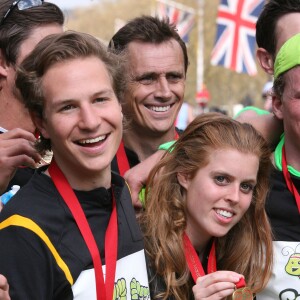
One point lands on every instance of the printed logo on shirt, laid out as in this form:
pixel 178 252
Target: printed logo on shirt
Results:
pixel 284 283
pixel 292 268
pixel 131 280
pixel 293 265
pixel 289 294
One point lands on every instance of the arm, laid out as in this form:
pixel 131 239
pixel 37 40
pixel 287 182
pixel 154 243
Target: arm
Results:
pixel 215 286
pixel 137 176
pixel 16 149
pixel 268 125
pixel 4 288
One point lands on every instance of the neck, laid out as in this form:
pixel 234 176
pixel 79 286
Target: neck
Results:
pixel 86 181
pixel 146 145
pixel 198 240
pixel 292 151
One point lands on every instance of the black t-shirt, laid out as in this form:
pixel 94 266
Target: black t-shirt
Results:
pixel 43 254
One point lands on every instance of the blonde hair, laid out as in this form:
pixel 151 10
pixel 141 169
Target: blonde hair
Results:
pixel 247 248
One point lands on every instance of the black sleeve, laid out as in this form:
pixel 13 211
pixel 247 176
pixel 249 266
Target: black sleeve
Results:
pixel 27 263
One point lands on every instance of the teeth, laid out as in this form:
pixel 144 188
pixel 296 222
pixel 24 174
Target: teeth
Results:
pixel 160 108
pixel 224 213
pixel 95 140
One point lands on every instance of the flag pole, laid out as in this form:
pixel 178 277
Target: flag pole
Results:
pixel 200 46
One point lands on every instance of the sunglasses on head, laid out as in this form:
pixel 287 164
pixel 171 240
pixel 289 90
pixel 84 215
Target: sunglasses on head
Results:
pixel 22 5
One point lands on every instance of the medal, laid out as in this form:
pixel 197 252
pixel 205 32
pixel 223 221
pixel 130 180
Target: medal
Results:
pixel 242 292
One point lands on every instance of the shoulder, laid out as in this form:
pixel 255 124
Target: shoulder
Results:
pixel 250 112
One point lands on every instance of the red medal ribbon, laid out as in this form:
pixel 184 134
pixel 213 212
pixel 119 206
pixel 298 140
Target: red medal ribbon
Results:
pixel 195 265
pixel 104 289
pixel 122 160
pixel 194 262
pixel 288 179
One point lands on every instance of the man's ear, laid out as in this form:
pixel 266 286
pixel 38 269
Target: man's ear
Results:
pixel 40 124
pixel 184 180
pixel 265 60
pixel 277 107
pixel 3 65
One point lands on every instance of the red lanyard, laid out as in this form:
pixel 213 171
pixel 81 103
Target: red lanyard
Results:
pixel 288 179
pixel 122 160
pixel 104 289
pixel 194 262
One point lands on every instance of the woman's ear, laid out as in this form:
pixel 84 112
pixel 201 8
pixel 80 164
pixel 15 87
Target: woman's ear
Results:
pixel 39 122
pixel 184 180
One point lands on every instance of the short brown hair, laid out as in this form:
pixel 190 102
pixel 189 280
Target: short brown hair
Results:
pixel 58 48
pixel 148 29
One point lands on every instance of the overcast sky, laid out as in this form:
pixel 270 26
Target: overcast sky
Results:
pixel 69 4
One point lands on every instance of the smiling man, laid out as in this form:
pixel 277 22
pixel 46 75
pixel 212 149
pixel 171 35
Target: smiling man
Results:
pixel 74 217
pixel 156 66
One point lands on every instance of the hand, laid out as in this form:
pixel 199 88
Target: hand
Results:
pixel 16 149
pixel 137 176
pixel 4 288
pixel 216 286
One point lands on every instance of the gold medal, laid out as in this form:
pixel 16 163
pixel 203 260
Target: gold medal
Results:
pixel 46 159
pixel 242 294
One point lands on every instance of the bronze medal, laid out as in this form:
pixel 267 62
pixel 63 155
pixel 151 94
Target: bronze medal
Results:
pixel 242 294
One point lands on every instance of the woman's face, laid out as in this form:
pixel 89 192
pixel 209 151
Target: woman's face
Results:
pixel 219 194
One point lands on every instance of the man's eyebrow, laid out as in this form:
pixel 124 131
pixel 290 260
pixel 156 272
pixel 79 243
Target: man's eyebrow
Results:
pixel 157 74
pixel 179 73
pixel 146 74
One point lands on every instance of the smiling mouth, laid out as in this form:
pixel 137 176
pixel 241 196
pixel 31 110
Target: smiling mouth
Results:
pixel 89 142
pixel 159 108
pixel 224 213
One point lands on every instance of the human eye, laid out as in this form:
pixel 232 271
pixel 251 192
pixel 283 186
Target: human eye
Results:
pixel 247 187
pixel 101 99
pixel 146 79
pixel 221 179
pixel 174 77
pixel 67 107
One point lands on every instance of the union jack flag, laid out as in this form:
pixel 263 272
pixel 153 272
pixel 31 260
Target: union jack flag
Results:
pixel 180 15
pixel 235 40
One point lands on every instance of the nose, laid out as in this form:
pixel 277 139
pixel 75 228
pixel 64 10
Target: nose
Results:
pixel 233 194
pixel 89 119
pixel 162 89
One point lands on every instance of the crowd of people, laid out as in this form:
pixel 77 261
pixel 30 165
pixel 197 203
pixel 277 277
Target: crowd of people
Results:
pixel 220 217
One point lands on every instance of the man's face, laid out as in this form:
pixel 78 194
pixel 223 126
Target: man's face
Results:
pixel 287 26
pixel 155 92
pixel 288 108
pixel 26 47
pixel 82 117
